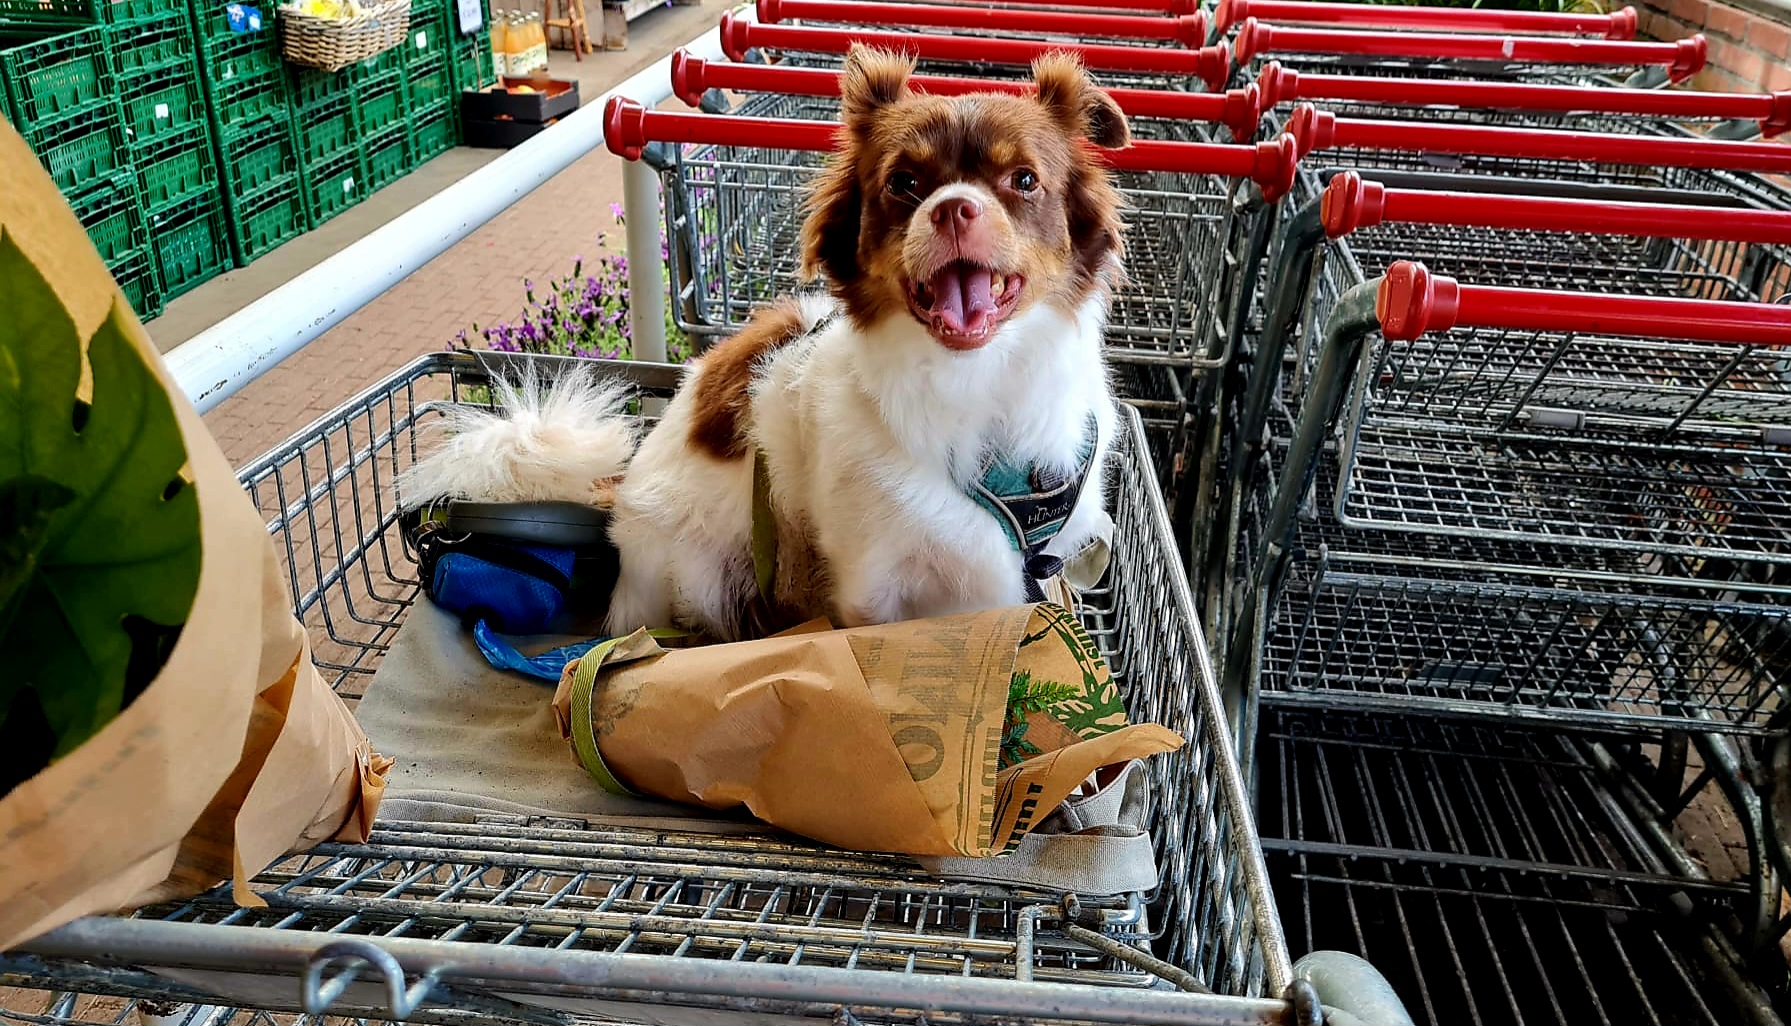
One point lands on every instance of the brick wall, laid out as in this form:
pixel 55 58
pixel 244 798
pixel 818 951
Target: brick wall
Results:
pixel 1750 51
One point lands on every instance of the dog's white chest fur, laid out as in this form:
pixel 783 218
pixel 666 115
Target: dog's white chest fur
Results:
pixel 871 439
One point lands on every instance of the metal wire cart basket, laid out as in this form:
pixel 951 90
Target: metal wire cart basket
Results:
pixel 541 919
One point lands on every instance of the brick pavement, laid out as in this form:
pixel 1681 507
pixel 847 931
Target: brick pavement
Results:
pixel 479 280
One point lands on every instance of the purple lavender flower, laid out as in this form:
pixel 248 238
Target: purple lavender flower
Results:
pixel 616 211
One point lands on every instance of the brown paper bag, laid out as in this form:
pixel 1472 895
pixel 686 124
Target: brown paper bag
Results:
pixel 236 751
pixel 874 739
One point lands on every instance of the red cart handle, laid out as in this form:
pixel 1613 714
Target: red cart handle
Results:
pixel 692 76
pixel 1351 202
pixel 1684 58
pixel 1211 64
pixel 1773 111
pixel 1313 129
pixel 1188 30
pixel 628 127
pixel 1412 301
pixel 1616 25
pixel 1176 8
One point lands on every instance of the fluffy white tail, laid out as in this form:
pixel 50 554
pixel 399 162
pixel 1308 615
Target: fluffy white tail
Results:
pixel 552 441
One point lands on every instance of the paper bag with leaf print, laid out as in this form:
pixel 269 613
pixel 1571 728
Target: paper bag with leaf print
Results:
pixel 950 736
pixel 162 728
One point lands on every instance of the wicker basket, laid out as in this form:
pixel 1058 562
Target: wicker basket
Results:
pixel 334 43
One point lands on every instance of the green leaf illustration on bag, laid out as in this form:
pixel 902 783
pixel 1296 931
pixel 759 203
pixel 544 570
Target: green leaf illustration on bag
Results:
pixel 99 531
pixel 1061 692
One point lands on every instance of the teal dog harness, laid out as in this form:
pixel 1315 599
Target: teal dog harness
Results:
pixel 1032 504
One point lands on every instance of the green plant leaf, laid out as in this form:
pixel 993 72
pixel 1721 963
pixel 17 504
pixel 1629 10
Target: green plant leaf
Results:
pixel 99 547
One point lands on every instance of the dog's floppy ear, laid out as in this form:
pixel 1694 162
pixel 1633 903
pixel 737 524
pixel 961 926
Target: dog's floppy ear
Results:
pixel 830 231
pixel 1078 105
pixel 873 79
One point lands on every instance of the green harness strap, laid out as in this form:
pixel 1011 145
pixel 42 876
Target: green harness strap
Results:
pixel 584 732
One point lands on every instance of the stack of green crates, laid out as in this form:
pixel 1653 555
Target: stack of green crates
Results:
pixel 469 57
pixel 332 159
pixel 429 92
pixel 245 84
pixel 56 87
pixel 168 125
pixel 188 147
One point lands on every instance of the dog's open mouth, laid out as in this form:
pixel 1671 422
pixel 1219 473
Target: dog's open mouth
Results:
pixel 963 303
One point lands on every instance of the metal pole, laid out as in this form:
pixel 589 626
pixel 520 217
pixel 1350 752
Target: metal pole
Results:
pixel 646 271
pixel 218 362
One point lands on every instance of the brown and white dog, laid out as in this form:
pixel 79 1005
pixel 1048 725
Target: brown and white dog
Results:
pixel 969 245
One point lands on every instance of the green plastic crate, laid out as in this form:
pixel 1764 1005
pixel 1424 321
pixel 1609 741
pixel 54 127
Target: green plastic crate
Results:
pixel 381 103
pixel 116 12
pixel 161 103
pixel 227 57
pixel 377 65
pixel 81 150
pixel 191 244
pixel 388 157
pixel 48 77
pixel 243 100
pixel 47 11
pixel 311 86
pixel 434 133
pixel 152 44
pixel 254 156
pixel 174 169
pixel 135 274
pixel 470 59
pixel 430 85
pixel 113 216
pixel 426 10
pixel 267 219
pixel 427 40
pixel 326 129
pixel 332 186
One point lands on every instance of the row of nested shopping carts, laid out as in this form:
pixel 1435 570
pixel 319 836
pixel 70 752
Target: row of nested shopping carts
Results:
pixel 1448 529
pixel 1460 358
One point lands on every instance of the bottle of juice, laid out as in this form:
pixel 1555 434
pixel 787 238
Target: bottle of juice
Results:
pixel 538 43
pixel 500 44
pixel 516 45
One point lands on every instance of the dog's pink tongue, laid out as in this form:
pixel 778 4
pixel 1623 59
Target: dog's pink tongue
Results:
pixel 963 303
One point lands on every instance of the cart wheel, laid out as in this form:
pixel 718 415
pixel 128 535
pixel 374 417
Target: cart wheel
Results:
pixel 1351 986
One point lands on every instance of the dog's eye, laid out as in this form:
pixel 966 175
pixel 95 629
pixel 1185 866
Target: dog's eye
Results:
pixel 1025 180
pixel 904 183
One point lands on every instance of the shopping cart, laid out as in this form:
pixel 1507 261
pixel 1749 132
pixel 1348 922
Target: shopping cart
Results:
pixel 1530 105
pixel 1588 243
pixel 1189 30
pixel 1648 161
pixel 1649 428
pixel 1499 875
pixel 1153 113
pixel 1452 159
pixel 544 920
pixel 1142 67
pixel 1520 642
pixel 1619 24
pixel 1542 59
pixel 734 211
